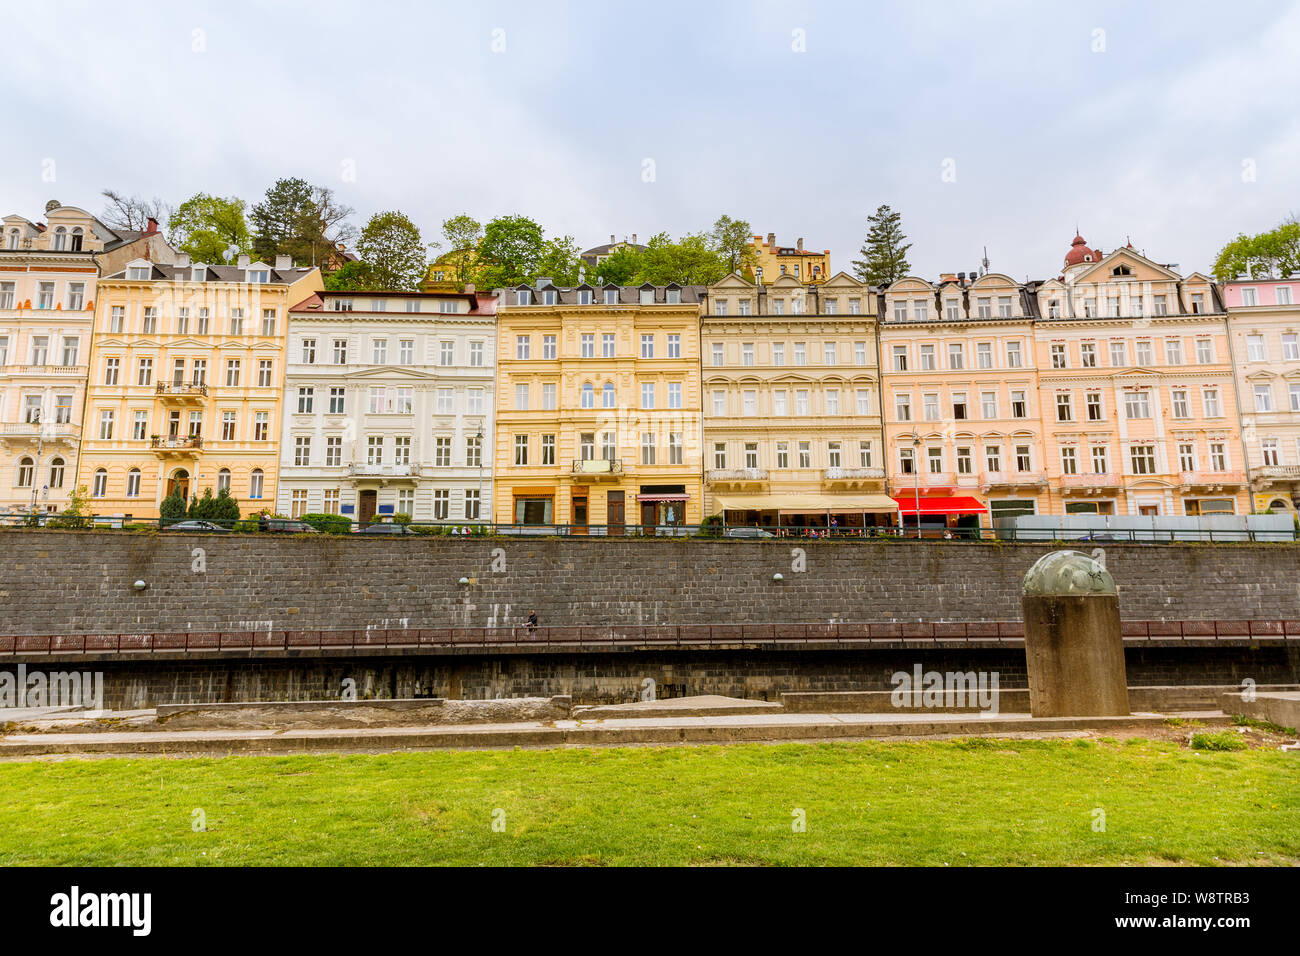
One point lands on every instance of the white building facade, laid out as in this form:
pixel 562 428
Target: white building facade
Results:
pixel 389 406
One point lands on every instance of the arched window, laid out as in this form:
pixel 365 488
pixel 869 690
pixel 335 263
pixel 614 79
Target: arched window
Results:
pixel 607 399
pixel 133 483
pixel 100 487
pixel 56 473
pixel 60 239
pixel 588 396
pixel 26 472
pixel 223 480
pixel 255 483
pixel 77 236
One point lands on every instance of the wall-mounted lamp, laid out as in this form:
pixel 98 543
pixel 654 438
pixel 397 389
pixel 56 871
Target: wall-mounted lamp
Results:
pixel 778 576
pixel 464 581
pixel 140 585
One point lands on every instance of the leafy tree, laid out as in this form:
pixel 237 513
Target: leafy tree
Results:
pixel 76 514
pixel 353 276
pixel 392 246
pixel 731 239
pixel 173 506
pixel 691 261
pixel 300 220
pixel 206 226
pixel 561 261
pixel 1272 253
pixel 511 252
pixel 620 268
pixel 204 506
pixel 463 234
pixel 884 255
pixel 133 212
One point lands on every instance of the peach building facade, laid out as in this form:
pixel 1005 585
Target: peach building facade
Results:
pixel 960 401
pixel 1264 333
pixel 1136 389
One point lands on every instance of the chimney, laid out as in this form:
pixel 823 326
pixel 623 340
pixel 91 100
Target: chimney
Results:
pixel 771 238
pixel 799 245
pixel 152 227
pixel 961 277
pixel 611 238
pixel 243 261
pixel 634 238
pixel 182 260
pixel 283 263
pixel 947 277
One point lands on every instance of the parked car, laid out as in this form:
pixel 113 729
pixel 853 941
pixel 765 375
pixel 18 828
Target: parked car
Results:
pixel 286 526
pixel 386 527
pixel 197 524
pixel 749 533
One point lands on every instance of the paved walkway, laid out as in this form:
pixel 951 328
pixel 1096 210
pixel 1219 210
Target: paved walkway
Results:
pixel 737 728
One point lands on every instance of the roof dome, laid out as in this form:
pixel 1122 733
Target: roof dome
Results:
pixel 1080 253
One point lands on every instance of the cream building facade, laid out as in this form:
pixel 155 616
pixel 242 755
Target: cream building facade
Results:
pixel 48 276
pixel 389 406
pixel 1264 334
pixel 791 391
pixel 186 382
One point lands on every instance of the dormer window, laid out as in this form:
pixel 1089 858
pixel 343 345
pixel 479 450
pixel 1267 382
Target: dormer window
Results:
pixel 259 275
pixel 647 296
pixel 1121 271
pixel 674 296
pixel 521 297
pixel 342 305
pixel 584 297
pixel 548 297
pixel 199 273
pixel 13 239
pixel 77 236
pixel 138 272
pixel 60 239
pixel 611 296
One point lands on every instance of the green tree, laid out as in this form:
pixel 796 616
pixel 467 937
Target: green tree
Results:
pixel 173 506
pixel 884 255
pixel 1272 253
pixel 462 233
pixel 226 507
pixel 511 252
pixel 207 226
pixel 731 239
pixel 561 261
pixel 76 514
pixel 620 268
pixel 202 507
pixel 690 260
pixel 391 244
pixel 353 276
pixel 300 220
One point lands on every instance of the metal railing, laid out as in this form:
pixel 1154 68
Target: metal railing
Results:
pixel 930 532
pixel 595 637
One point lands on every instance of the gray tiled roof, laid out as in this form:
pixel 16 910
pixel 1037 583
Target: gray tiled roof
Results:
pixel 568 295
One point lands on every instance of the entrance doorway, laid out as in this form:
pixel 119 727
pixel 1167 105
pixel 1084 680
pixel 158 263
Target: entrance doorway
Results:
pixel 614 516
pixel 367 505
pixel 179 482
pixel 579 518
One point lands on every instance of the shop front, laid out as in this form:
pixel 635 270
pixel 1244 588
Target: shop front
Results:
pixel 810 514
pixel 941 515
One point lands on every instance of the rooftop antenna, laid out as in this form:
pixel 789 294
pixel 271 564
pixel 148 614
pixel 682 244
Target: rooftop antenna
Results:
pixel 986 262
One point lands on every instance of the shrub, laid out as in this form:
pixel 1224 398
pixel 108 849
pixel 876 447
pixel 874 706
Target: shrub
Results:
pixel 1220 740
pixel 203 507
pixel 173 506
pixel 401 518
pixel 330 524
pixel 710 527
pixel 226 506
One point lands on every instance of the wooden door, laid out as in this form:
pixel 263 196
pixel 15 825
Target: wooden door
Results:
pixel 614 513
pixel 367 506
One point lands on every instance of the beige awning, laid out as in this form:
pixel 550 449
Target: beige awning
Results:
pixel 807 504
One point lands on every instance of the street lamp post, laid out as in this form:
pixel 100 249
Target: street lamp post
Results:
pixel 916 476
pixel 40 447
pixel 479 439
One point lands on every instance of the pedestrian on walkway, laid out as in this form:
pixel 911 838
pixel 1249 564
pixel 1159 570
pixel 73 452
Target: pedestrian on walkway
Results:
pixel 532 623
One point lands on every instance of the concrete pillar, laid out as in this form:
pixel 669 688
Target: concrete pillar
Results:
pixel 1074 651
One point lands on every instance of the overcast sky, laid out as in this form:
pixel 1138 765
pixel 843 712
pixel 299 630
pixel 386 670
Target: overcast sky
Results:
pixel 997 124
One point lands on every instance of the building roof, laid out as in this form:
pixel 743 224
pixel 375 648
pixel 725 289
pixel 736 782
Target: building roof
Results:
pixel 219 273
pixel 1080 253
pixel 627 294
pixel 479 303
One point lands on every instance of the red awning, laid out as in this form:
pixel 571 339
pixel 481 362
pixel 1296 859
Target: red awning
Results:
pixel 663 497
pixel 940 505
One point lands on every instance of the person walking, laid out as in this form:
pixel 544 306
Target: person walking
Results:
pixel 532 623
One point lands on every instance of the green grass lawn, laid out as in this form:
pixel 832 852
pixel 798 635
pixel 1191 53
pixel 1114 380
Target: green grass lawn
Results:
pixel 965 802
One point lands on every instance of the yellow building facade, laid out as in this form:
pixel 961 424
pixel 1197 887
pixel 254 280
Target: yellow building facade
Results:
pixel 774 261
pixel 186 382
pixel 791 394
pixel 598 408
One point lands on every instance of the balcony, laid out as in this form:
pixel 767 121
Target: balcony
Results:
pixel 182 394
pixel 848 478
pixel 933 480
pixel 32 432
pixel 1210 480
pixel 597 468
pixel 1090 484
pixel 46 371
pixel 1012 479
pixel 737 477
pixel 365 470
pixel 1269 474
pixel 166 446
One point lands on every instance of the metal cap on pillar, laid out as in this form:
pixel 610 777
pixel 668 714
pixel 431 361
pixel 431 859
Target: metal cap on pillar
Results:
pixel 1074 650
